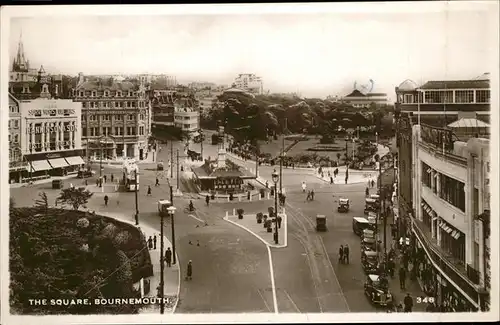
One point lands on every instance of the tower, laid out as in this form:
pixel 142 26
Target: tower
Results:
pixel 221 152
pixel 20 63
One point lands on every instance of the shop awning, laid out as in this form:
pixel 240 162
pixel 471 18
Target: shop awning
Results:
pixel 38 165
pixel 74 161
pixel 58 163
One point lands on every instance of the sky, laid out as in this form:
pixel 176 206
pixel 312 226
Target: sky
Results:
pixel 316 54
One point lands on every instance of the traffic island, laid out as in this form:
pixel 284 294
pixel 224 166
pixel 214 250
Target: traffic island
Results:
pixel 260 230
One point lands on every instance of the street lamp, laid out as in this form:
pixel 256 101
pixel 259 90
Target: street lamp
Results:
pixel 171 211
pixel 275 177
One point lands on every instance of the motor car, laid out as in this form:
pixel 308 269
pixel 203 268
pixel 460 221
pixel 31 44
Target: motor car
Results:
pixel 377 290
pixel 368 233
pixel 343 205
pixel 368 244
pixel 359 224
pixel 371 205
pixel 369 262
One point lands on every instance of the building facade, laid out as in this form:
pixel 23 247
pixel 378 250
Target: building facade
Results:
pixel 116 118
pixel 360 100
pixel 249 82
pixel 50 137
pixel 186 117
pixel 450 191
pixel 16 162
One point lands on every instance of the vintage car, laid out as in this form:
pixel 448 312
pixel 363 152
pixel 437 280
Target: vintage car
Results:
pixel 321 222
pixel 359 224
pixel 368 244
pixel 343 205
pixel 375 197
pixel 369 262
pixel 371 205
pixel 368 233
pixel 377 289
pixel 84 173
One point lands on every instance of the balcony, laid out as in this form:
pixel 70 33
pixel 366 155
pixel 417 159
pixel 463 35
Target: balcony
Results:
pixel 438 153
pixel 450 266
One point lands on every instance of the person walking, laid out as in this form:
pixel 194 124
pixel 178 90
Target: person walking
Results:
pixel 402 278
pixel 189 274
pixel 207 200
pixel 346 254
pixel 308 198
pixel 112 178
pixel 341 254
pixel 157 183
pixel 331 180
pixel 373 183
pixel 154 242
pixel 150 242
pixel 106 199
pixel 312 195
pixel 168 257
pixel 105 178
pixel 408 302
pixel 304 186
pixel 367 192
pixel 149 190
pixel 279 219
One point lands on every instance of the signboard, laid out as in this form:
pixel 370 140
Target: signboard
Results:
pixel 52 155
pixel 51 111
pixel 437 136
pixel 51 128
pixel 38 145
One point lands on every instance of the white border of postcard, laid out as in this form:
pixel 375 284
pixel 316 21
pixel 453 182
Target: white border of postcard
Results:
pixel 431 6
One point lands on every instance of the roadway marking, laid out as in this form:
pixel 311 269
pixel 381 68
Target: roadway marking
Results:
pixel 194 217
pixel 265 303
pixel 291 300
pixel 329 261
pixel 275 301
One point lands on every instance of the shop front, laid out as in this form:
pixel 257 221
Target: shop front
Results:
pixel 45 165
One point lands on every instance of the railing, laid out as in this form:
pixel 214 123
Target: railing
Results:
pixel 460 279
pixel 433 150
pixel 18 164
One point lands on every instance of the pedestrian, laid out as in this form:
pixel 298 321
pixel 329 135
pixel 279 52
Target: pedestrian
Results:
pixel 304 186
pixel 112 178
pixel 391 267
pixel 373 183
pixel 279 218
pixel 189 270
pixel 117 202
pixel 410 270
pixel 154 242
pixel 149 190
pixel 97 182
pixel 86 183
pixel 331 180
pixel 150 242
pixel 369 183
pixel 367 192
pixel 408 302
pixel 207 200
pixel 284 199
pixel 429 308
pixel 157 183
pixel 105 178
pixel 312 195
pixel 308 197
pixel 341 254
pixel 346 254
pixel 402 278
pixel 168 257
pixel 106 198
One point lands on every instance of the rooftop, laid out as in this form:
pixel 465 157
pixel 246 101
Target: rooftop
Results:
pixel 456 84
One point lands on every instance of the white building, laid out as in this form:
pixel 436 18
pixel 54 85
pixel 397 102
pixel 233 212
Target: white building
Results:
pixel 51 136
pixel 360 100
pixel 250 83
pixel 186 117
pixel 451 191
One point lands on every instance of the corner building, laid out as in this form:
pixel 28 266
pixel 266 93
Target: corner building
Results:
pixel 450 242
pixel 116 118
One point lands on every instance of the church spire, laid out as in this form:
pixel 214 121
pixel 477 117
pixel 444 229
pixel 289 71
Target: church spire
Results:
pixel 20 60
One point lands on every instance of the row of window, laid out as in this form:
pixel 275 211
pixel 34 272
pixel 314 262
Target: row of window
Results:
pixel 107 117
pixel 14 138
pixel 13 124
pixel 446 96
pixel 449 189
pixel 133 104
pixel 107 93
pixel 13 109
pixel 107 130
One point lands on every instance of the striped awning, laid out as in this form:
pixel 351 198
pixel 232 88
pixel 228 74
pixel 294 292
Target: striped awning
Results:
pixel 74 161
pixel 38 165
pixel 58 163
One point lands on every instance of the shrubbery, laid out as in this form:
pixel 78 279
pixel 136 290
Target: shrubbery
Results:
pixel 72 254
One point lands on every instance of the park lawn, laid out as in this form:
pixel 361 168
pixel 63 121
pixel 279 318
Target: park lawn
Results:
pixel 273 147
pixel 301 148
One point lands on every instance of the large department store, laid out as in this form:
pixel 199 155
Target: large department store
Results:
pixel 443 191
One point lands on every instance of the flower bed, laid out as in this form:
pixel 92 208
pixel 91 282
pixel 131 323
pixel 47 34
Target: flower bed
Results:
pixel 72 254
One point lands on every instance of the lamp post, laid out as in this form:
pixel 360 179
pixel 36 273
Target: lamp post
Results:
pixel 171 211
pixel 202 137
pixel 162 267
pixel 275 178
pixel 136 199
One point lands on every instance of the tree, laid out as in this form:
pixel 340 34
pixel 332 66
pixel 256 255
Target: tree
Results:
pixel 42 202
pixel 75 197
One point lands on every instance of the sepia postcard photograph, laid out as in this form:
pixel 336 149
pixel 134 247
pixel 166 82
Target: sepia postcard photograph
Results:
pixel 249 163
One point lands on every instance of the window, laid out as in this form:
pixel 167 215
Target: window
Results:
pixel 81 94
pixel 131 130
pixel 118 130
pixel 84 132
pixel 107 130
pixel 408 98
pixel 92 105
pixel 118 117
pixel 93 132
pixel 464 96
pixel 452 191
pixel 45 88
pixel 130 94
pixel 10 138
pixel 129 104
pixel 133 104
pixel 16 138
pixel 16 124
pixel 94 93
pixel 92 117
pixel 106 117
pixel 439 96
pixel 141 130
pixel 105 104
pixel 141 117
pixel 131 117
pixel 106 93
pixel 118 94
pixel 482 96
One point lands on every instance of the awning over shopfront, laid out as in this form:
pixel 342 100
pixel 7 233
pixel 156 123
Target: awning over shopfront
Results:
pixel 74 161
pixel 450 229
pixel 38 165
pixel 58 163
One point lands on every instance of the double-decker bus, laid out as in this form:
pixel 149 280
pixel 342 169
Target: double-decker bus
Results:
pixel 131 176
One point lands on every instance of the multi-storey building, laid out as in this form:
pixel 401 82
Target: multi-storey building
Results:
pixel 16 163
pixel 116 117
pixel 21 69
pixel 162 106
pixel 451 191
pixel 360 100
pixel 249 82
pixel 186 116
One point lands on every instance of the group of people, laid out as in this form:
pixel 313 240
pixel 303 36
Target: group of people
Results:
pixel 344 254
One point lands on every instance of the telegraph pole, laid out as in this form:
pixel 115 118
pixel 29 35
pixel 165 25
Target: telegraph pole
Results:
pixel 171 159
pixel 136 199
pixel 162 267
pixel 282 154
pixel 172 223
pixel 177 168
pixel 202 137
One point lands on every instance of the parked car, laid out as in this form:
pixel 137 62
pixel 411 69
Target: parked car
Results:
pixel 369 262
pixel 368 233
pixel 368 244
pixel 359 224
pixel 377 290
